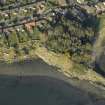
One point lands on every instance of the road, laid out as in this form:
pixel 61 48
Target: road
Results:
pixel 14 6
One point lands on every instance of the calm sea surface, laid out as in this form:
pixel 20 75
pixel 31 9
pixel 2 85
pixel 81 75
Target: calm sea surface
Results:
pixel 36 83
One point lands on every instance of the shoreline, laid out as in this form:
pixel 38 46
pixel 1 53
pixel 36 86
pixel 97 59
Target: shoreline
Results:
pixel 40 68
pixel 63 64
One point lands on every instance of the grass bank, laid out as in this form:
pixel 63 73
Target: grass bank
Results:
pixel 62 62
pixel 68 67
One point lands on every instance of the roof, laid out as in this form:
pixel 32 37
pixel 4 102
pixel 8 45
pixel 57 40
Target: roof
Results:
pixel 71 2
pixel 62 2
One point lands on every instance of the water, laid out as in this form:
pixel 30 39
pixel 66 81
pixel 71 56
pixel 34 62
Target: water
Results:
pixel 99 47
pixel 100 64
pixel 99 54
pixel 40 91
pixel 36 83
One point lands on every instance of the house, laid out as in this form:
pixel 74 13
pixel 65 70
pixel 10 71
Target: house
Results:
pixel 100 7
pixel 80 1
pixel 62 2
pixel 71 2
pixel 30 25
pixel 87 1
